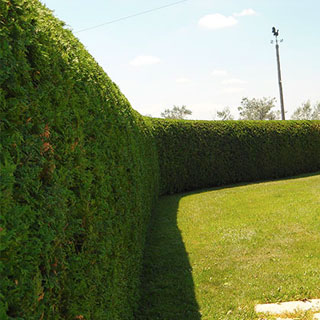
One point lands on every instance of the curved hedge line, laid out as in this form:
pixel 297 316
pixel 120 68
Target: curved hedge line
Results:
pixel 200 154
pixel 78 176
pixel 79 171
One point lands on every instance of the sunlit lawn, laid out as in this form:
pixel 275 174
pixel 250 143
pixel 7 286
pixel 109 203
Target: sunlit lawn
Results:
pixel 215 254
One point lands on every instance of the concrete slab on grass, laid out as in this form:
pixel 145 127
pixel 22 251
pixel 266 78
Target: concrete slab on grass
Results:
pixel 316 316
pixel 288 307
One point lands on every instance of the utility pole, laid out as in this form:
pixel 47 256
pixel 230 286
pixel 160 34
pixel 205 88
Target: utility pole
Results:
pixel 276 34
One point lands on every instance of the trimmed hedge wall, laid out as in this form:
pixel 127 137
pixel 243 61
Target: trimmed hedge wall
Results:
pixel 80 171
pixel 78 176
pixel 200 154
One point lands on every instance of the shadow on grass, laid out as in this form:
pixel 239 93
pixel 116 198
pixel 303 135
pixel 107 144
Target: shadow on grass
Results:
pixel 167 284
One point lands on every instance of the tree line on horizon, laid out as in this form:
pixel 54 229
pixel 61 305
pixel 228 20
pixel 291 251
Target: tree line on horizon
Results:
pixel 252 109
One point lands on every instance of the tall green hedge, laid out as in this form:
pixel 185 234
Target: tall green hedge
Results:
pixel 80 171
pixel 199 154
pixel 78 176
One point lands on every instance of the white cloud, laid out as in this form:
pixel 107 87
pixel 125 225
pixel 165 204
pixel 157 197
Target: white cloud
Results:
pixel 144 61
pixel 233 81
pixel 245 12
pixel 233 85
pixel 217 21
pixel 183 80
pixel 219 73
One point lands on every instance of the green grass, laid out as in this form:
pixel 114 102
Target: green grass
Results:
pixel 214 254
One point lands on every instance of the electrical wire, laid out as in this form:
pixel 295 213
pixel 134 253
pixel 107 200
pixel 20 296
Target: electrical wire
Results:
pixel 130 16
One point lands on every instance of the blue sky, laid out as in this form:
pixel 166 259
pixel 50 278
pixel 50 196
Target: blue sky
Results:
pixel 204 54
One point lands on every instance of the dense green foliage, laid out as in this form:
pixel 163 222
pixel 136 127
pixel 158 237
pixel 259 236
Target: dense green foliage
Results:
pixel 199 154
pixel 79 171
pixel 78 176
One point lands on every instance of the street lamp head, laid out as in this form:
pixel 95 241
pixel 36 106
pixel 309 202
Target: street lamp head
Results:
pixel 275 31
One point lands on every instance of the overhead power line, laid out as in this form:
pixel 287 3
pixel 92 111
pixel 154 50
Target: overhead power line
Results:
pixel 131 16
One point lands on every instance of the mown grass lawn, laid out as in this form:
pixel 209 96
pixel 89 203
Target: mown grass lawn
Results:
pixel 214 254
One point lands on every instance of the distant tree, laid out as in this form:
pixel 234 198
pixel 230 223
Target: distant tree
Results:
pixel 306 112
pixel 176 113
pixel 225 114
pixel 258 109
pixel 316 112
